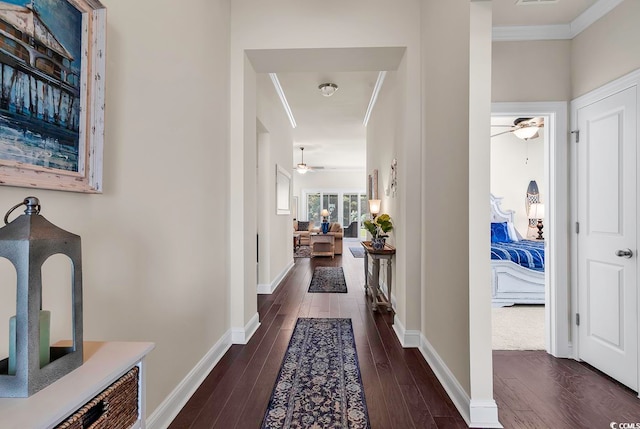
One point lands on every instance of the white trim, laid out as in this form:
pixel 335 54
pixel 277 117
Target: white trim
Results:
pixel 269 288
pixel 374 96
pixel 408 339
pixel 591 15
pixel 557 31
pixel 520 33
pixel 243 335
pixel 620 84
pixel 168 409
pixel 485 413
pixel 451 385
pixel 557 273
pixel 283 99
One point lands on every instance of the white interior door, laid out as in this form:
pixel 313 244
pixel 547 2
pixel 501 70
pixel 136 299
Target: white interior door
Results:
pixel 607 239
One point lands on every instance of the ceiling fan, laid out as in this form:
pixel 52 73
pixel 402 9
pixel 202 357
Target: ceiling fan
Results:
pixel 523 128
pixel 303 168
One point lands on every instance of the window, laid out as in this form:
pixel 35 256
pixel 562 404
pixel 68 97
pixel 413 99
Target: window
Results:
pixel 313 208
pixel 330 202
pixel 349 209
pixel 343 207
pixel 14 48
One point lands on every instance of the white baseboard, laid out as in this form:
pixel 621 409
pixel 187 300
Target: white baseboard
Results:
pixel 451 385
pixel 484 414
pixel 269 288
pixel 477 414
pixel 169 408
pixel 243 335
pixel 408 338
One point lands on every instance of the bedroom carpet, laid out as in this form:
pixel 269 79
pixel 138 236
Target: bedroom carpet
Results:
pixel 328 280
pixel 319 384
pixel 520 327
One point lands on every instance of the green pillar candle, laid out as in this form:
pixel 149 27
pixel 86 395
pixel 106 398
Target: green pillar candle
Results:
pixel 45 334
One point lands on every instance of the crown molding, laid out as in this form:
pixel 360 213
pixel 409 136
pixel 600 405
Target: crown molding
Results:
pixel 558 31
pixel 591 15
pixel 531 32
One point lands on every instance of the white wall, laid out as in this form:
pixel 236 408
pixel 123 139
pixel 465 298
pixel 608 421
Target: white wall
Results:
pixel 276 251
pixel 258 25
pixel 154 247
pixel 606 50
pixel 445 158
pixel 514 163
pixel 335 180
pixel 531 71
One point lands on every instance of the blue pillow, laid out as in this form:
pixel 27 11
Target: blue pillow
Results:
pixel 500 233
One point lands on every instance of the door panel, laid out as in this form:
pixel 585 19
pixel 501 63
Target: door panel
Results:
pixel 607 210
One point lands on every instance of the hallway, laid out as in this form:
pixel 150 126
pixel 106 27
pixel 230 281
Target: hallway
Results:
pixel 532 389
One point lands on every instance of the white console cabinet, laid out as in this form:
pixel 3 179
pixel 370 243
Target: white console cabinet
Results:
pixel 104 363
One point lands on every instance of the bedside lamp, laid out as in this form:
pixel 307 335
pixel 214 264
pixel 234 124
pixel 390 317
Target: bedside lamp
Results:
pixel 536 211
pixel 325 222
pixel 374 207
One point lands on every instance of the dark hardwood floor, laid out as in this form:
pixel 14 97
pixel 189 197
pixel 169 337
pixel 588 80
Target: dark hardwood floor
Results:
pixel 533 390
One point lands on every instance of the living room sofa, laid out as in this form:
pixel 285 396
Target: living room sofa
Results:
pixel 335 229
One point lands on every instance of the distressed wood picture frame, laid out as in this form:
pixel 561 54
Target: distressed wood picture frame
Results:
pixel 52 60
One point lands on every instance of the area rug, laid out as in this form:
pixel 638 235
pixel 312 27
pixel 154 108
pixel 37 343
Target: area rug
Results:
pixel 520 327
pixel 328 279
pixel 357 252
pixel 302 252
pixel 319 384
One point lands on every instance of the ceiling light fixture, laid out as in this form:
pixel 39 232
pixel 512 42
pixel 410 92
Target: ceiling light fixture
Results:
pixel 328 89
pixel 527 132
pixel 302 167
pixel 374 96
pixel 283 99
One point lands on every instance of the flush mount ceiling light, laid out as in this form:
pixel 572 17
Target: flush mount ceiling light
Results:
pixel 328 89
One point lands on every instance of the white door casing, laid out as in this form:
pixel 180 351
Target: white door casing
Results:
pixel 607 215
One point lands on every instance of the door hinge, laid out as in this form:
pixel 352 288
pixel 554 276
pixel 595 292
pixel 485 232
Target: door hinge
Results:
pixel 577 133
pixel 577 227
pixel 578 319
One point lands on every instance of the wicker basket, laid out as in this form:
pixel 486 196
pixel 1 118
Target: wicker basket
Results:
pixel 115 408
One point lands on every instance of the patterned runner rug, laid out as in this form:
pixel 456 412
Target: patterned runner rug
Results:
pixel 328 279
pixel 357 252
pixel 302 252
pixel 319 384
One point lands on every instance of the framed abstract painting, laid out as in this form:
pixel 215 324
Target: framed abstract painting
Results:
pixel 52 64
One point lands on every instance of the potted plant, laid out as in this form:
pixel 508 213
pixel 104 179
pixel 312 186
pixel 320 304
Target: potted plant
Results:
pixel 378 229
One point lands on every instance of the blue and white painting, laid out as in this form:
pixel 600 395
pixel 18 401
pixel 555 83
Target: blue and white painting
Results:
pixel 40 56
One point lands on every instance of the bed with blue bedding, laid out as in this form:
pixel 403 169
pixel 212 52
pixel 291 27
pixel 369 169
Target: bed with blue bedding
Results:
pixel 517 265
pixel 526 253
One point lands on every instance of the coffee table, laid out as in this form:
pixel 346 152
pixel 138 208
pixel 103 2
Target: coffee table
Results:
pixel 322 244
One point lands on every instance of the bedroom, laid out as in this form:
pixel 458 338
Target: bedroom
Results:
pixel 518 283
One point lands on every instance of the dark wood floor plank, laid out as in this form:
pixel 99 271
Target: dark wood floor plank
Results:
pixel 532 389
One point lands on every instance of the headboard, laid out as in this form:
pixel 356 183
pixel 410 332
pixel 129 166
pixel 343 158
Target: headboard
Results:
pixel 497 214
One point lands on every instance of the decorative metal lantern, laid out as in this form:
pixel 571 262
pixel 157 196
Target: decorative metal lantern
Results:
pixel 27 242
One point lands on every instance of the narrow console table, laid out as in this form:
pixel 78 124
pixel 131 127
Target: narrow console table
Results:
pixel 105 365
pixel 372 282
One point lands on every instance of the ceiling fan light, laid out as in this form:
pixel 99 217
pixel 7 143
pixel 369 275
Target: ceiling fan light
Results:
pixel 328 89
pixel 525 133
pixel 302 168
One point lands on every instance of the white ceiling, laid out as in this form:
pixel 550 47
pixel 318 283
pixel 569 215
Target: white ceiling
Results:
pixel 330 128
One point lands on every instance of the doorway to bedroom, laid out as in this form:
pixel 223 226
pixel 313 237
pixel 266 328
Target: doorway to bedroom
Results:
pixel 518 184
pixel 553 193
